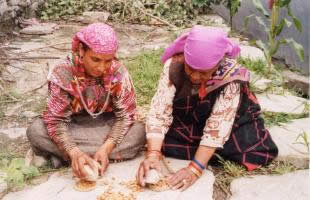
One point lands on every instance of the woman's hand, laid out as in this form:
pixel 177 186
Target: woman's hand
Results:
pixel 78 160
pixel 102 157
pixel 152 162
pixel 182 179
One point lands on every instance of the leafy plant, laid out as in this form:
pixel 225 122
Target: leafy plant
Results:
pixel 257 66
pixel 273 118
pixel 274 28
pixel 17 172
pixel 231 5
pixel 176 12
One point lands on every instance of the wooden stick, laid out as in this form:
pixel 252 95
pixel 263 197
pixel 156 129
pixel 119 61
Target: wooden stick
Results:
pixel 9 101
pixel 15 48
pixel 39 87
pixel 22 68
pixel 29 58
pixel 46 47
pixel 157 18
pixel 167 166
pixel 61 49
pixel 4 92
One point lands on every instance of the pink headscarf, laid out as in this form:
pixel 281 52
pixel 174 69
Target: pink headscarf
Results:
pixel 203 47
pixel 99 37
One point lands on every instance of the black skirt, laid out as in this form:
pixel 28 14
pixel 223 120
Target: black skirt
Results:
pixel 249 144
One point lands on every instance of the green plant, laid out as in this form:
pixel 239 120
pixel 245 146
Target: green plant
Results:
pixel 276 119
pixel 305 140
pixel 17 172
pixel 56 9
pixel 145 71
pixel 274 27
pixel 176 12
pixel 231 5
pixel 257 66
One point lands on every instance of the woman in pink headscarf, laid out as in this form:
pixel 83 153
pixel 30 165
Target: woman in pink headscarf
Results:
pixel 91 106
pixel 203 105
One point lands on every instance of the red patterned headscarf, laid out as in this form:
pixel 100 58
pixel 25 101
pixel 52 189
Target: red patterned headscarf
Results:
pixel 99 37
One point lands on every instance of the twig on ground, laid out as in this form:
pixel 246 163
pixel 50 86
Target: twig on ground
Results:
pixel 167 166
pixel 61 190
pixel 10 101
pixel 61 49
pixel 228 194
pixel 13 48
pixel 52 45
pixel 29 58
pixel 157 18
pixel 5 93
pixel 22 68
pixel 39 87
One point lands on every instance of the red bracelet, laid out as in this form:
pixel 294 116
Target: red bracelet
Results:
pixel 195 166
pixel 194 171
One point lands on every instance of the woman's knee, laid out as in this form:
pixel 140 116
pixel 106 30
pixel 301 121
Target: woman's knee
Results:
pixel 36 130
pixel 138 132
pixel 132 143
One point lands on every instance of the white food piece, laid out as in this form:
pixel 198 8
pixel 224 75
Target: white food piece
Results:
pixel 152 176
pixel 92 174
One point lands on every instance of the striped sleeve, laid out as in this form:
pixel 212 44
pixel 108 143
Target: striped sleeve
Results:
pixel 124 106
pixel 57 117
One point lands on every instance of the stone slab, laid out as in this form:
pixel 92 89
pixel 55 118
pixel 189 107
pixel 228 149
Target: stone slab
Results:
pixel 14 133
pixel 251 52
pixel 60 187
pixel 297 81
pixel 282 103
pixel 92 17
pixel 260 82
pixel 291 146
pixel 285 187
pixel 39 29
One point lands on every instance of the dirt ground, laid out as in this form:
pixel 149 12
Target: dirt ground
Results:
pixel 24 80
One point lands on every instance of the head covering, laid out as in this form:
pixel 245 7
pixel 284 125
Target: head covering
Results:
pixel 203 47
pixel 99 37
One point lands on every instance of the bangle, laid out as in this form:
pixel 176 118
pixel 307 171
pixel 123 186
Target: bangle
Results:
pixel 199 164
pixel 192 164
pixel 195 171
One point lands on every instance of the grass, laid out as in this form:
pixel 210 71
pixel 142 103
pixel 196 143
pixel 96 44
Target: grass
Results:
pixel 276 119
pixel 257 66
pixel 40 106
pixel 145 71
pixel 302 139
pixel 277 84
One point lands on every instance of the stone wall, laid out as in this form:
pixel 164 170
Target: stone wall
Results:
pixel 300 9
pixel 10 10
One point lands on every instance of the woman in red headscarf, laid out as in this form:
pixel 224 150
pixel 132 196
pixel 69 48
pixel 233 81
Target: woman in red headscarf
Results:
pixel 203 105
pixel 91 106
